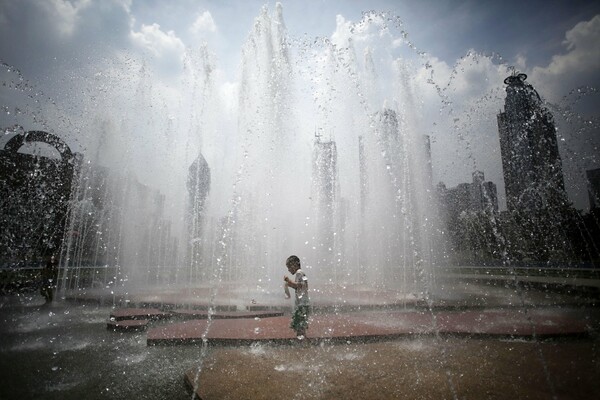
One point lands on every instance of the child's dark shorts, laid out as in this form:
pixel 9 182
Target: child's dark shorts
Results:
pixel 300 318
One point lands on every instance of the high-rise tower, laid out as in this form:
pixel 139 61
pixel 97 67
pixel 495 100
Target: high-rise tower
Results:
pixel 532 166
pixel 326 196
pixel 533 178
pixel 198 185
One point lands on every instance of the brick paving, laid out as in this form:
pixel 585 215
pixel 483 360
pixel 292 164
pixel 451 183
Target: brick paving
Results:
pixel 363 326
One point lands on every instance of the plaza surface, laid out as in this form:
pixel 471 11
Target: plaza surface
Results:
pixel 475 341
pixel 405 368
pixel 463 306
pixel 490 342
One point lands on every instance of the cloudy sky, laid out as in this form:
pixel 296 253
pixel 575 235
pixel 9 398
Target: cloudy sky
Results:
pixel 58 53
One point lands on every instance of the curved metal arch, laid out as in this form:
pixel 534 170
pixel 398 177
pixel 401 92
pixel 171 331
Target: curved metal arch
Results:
pixel 17 141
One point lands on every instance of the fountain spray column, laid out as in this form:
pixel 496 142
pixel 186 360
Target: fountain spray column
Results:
pixel 271 184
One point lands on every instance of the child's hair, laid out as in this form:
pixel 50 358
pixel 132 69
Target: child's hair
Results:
pixel 293 260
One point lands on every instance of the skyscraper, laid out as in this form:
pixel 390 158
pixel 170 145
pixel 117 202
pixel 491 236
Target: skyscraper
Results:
pixel 540 216
pixel 532 165
pixel 484 195
pixel 198 185
pixel 326 196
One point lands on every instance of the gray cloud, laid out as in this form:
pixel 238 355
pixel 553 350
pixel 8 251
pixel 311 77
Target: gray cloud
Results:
pixel 578 66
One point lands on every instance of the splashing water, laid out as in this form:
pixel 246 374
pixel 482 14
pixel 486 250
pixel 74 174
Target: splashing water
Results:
pixel 318 156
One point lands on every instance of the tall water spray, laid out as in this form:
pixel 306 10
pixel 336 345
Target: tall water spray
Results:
pixel 319 156
pixel 334 176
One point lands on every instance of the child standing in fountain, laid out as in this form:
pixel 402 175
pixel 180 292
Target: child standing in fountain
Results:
pixel 302 306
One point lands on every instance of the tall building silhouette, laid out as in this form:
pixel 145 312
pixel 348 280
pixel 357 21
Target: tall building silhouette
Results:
pixel 326 195
pixel 532 165
pixel 198 185
pixel 540 216
pixel 469 212
pixel 478 196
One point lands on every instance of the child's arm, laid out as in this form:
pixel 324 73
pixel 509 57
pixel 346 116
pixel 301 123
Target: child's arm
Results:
pixel 292 284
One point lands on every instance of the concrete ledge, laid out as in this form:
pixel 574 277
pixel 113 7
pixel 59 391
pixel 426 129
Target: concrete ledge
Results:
pixel 122 314
pixel 202 314
pixel 128 325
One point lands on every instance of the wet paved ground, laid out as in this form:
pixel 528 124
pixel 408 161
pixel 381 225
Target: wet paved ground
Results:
pixel 405 368
pixel 490 342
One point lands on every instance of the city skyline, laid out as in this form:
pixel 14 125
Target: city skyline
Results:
pixel 467 49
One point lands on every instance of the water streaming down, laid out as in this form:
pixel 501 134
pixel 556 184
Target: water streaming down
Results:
pixel 314 158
